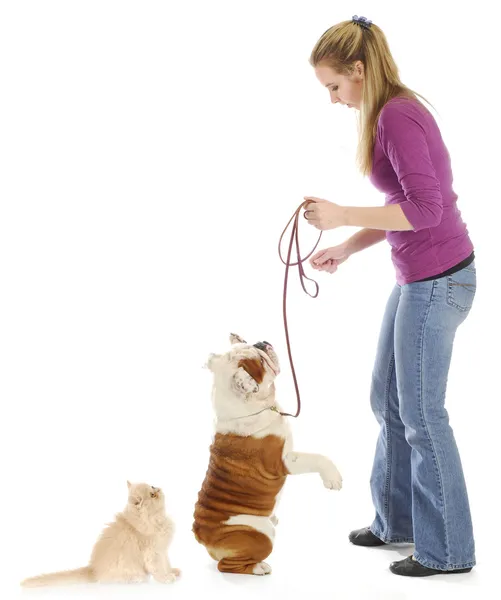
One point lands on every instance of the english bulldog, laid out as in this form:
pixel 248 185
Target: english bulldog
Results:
pixel 250 458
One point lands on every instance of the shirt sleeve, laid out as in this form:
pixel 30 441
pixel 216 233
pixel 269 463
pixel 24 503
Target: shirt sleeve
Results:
pixel 402 134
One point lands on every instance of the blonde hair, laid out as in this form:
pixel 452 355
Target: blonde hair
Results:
pixel 340 47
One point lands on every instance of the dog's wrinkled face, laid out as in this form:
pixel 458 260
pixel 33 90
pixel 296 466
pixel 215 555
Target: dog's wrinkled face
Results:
pixel 249 369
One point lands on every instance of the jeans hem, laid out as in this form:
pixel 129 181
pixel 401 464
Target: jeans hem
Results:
pixel 432 565
pixel 391 540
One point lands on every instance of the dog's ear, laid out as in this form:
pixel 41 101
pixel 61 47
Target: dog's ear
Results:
pixel 249 375
pixel 236 339
pixel 212 361
pixel 244 383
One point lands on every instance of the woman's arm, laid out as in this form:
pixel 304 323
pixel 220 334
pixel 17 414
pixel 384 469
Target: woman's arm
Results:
pixel 403 134
pixel 328 215
pixel 365 238
pixel 387 218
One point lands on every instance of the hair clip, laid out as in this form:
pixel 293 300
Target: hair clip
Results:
pixel 362 21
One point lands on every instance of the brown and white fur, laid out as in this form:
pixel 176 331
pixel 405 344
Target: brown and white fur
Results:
pixel 250 458
pixel 130 549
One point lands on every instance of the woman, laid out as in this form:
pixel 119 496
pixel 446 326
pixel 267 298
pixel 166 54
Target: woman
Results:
pixel 417 483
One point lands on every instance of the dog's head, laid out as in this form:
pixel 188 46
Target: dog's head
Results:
pixel 246 372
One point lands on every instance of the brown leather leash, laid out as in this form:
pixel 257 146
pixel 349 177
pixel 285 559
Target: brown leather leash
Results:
pixel 295 237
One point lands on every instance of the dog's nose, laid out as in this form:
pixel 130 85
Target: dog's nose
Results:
pixel 263 346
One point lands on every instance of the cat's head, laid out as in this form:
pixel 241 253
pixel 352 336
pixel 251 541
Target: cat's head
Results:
pixel 145 498
pixel 245 374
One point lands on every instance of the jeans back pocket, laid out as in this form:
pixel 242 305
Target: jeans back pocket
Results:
pixel 461 288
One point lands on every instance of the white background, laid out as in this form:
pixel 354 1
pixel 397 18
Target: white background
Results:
pixel 152 153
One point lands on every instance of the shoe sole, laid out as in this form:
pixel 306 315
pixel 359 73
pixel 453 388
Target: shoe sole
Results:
pixel 374 543
pixel 431 572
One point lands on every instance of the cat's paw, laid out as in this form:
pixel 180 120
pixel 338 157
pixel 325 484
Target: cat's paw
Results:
pixel 165 577
pixel 136 579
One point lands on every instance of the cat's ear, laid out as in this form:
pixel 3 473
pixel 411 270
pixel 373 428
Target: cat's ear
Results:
pixel 134 498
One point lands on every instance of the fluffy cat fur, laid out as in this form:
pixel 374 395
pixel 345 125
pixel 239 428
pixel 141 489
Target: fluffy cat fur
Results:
pixel 130 549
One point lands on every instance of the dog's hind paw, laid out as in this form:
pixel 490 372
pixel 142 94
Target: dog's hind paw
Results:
pixel 262 568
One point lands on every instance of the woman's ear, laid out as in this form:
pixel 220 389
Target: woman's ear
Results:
pixel 359 69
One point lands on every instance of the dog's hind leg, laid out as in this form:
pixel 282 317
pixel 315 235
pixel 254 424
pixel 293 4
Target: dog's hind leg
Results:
pixel 243 551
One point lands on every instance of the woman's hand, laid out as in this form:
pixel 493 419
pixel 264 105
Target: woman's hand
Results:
pixel 328 260
pixel 323 214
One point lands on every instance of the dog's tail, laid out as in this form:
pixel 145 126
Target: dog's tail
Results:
pixel 83 575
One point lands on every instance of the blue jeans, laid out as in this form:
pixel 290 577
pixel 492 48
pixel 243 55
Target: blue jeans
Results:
pixel 417 482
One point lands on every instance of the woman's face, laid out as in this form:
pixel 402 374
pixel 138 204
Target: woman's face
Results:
pixel 345 89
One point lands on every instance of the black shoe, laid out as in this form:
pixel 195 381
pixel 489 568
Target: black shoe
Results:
pixel 411 568
pixel 365 537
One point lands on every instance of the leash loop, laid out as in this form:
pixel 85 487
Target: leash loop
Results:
pixel 302 276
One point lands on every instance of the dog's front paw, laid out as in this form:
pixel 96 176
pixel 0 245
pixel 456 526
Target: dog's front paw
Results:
pixel 332 479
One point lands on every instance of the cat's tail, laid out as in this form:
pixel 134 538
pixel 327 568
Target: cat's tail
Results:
pixel 83 575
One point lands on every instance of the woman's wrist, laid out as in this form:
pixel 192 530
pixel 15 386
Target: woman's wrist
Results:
pixel 349 246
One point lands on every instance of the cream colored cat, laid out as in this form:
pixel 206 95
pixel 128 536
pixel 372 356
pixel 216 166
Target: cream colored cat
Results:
pixel 130 549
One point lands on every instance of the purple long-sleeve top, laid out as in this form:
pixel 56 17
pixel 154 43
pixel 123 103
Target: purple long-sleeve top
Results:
pixel 412 167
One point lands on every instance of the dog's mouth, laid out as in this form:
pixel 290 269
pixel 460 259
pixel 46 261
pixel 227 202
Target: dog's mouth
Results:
pixel 269 356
